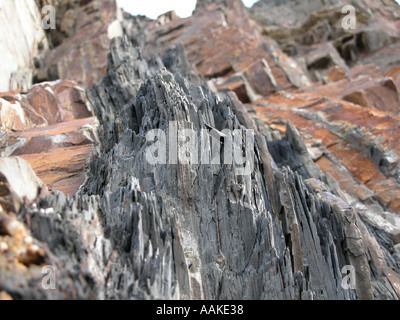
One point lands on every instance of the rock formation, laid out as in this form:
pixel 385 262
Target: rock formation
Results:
pixel 81 40
pixel 97 185
pixel 22 43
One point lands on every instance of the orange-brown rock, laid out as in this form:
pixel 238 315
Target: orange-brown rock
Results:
pixel 62 169
pixel 335 73
pixel 368 87
pixel 359 145
pixel 61 135
pixel 44 104
pixel 52 126
pixel 221 42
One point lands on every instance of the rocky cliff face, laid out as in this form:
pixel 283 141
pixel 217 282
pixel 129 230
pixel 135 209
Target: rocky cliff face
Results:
pixel 99 184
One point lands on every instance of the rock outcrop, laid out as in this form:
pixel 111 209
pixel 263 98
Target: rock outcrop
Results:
pixel 223 45
pixel 53 127
pixel 81 40
pixel 210 162
pixel 22 43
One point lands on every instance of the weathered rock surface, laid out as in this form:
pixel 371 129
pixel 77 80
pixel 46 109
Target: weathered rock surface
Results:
pixel 322 193
pixel 75 50
pixel 22 42
pixel 198 230
pixel 53 128
pixel 298 24
pixel 358 138
pixel 224 46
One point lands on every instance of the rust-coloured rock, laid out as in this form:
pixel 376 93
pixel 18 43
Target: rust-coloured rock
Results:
pixel 52 126
pixel 221 42
pixel 44 104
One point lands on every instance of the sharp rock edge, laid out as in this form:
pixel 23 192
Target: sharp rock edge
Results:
pixel 139 231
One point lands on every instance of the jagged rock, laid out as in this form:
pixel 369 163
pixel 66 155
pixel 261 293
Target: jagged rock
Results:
pixel 301 24
pixel 189 222
pixel 183 220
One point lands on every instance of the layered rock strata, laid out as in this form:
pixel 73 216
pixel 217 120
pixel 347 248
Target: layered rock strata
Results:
pixel 52 126
pixel 194 231
pixel 126 208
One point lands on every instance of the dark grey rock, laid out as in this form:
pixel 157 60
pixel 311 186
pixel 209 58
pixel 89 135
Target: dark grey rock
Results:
pixel 175 231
